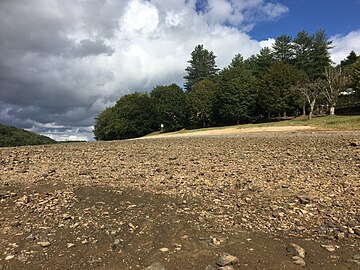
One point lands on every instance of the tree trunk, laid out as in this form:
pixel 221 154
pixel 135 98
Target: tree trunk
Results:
pixel 312 105
pixel 332 110
pixel 304 109
pixel 269 115
pixel 284 113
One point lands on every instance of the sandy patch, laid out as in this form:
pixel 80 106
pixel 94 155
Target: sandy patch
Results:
pixel 232 131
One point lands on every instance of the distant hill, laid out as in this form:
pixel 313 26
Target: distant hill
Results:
pixel 12 136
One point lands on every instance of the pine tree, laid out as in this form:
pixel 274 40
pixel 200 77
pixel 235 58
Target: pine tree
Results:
pixel 350 59
pixel 283 49
pixel 202 66
pixel 320 56
pixel 237 61
pixel 303 43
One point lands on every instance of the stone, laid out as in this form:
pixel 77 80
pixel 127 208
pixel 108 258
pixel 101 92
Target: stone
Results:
pixel 30 237
pixel 356 230
pixel 340 235
pixel 226 267
pixel 44 243
pixel 210 267
pixel 304 200
pixel 164 249
pixel 22 257
pixel 329 248
pixel 66 216
pixel 155 266
pixel 15 223
pixel 296 250
pixel 226 259
pixel 9 257
pixel 70 245
pixel 298 261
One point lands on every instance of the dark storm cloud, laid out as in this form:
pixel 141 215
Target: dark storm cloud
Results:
pixel 89 47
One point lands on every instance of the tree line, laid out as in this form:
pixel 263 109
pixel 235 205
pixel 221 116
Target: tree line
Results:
pixel 290 78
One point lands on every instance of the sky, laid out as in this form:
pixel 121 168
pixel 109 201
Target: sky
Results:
pixel 63 61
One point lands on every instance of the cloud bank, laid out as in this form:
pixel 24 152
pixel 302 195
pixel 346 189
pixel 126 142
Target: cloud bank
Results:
pixel 63 61
pixel 343 45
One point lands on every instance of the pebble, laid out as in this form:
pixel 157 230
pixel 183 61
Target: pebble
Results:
pixel 329 248
pixel 226 267
pixel 30 237
pixel 44 243
pixel 226 259
pixel 164 249
pixel 70 245
pixel 9 257
pixel 298 261
pixel 340 235
pixel 155 266
pixel 296 250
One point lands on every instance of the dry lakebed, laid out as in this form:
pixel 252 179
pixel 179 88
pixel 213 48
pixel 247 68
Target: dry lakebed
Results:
pixel 263 200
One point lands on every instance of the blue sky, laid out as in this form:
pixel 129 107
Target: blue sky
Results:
pixel 337 17
pixel 63 61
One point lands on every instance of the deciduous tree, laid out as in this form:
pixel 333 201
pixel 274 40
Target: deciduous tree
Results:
pixel 134 115
pixel 236 94
pixel 200 103
pixel 337 81
pixel 170 103
pixel 276 93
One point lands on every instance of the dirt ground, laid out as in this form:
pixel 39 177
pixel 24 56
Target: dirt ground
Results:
pixel 179 203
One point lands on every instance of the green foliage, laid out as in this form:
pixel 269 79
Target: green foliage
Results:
pixel 303 43
pixel 200 103
pixel 170 103
pixel 355 78
pixel 12 136
pixel 202 66
pixel 350 59
pixel 134 115
pixel 320 56
pixel 237 61
pixel 283 49
pixel 105 126
pixel 236 94
pixel 259 64
pixel 277 93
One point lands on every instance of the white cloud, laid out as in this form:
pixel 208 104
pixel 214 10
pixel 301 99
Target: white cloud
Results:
pixel 343 45
pixel 274 10
pixel 267 43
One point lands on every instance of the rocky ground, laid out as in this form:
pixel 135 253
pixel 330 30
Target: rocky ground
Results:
pixel 252 201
